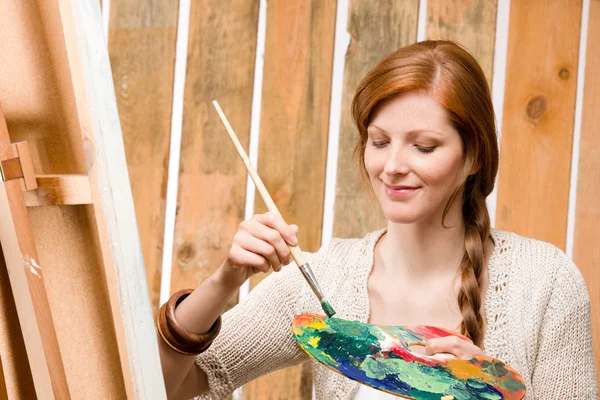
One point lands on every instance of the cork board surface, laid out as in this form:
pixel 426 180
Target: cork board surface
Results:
pixel 38 99
pixel 78 298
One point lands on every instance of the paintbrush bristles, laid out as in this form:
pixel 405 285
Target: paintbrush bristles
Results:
pixel 329 311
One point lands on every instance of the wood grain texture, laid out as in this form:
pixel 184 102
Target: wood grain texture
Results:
pixel 586 252
pixel 59 190
pixel 295 113
pixel 539 110
pixel 212 179
pixel 26 165
pixel 471 23
pixel 15 364
pixel 293 142
pixel 141 43
pixel 27 283
pixel 30 95
pixel 376 30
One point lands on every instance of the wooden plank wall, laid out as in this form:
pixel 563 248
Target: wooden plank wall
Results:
pixel 293 141
pixel 539 113
pixel 356 209
pixel 536 139
pixel 143 76
pixel 212 180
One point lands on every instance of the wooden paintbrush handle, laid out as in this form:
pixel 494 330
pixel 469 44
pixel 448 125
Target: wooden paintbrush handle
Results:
pixel 295 250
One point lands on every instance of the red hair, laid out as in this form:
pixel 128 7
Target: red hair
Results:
pixel 451 75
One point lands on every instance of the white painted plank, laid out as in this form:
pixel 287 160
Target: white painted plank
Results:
pixel 585 16
pixel 342 41
pixel 422 21
pixel 181 50
pixel 498 82
pixel 99 118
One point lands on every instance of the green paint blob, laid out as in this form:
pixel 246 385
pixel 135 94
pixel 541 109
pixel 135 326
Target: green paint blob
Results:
pixel 327 308
pixel 512 384
pixel 474 384
pixel 495 369
pixel 412 373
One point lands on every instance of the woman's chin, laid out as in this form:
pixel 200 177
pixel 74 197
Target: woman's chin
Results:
pixel 402 218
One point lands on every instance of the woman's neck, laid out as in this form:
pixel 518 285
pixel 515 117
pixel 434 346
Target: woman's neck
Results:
pixel 424 249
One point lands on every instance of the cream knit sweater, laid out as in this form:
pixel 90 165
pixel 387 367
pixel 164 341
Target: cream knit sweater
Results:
pixel 537 314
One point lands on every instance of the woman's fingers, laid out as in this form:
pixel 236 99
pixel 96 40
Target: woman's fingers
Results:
pixel 261 243
pixel 272 229
pixel 253 244
pixel 295 229
pixel 240 256
pixel 276 222
pixel 452 345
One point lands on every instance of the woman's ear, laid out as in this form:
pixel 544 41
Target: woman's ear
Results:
pixel 475 166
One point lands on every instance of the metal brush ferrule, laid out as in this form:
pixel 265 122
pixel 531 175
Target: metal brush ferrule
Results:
pixel 312 281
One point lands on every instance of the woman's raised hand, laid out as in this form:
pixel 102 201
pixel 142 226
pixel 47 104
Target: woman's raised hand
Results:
pixel 454 345
pixel 259 245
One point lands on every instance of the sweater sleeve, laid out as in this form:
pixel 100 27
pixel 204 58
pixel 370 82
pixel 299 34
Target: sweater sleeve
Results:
pixel 256 336
pixel 564 367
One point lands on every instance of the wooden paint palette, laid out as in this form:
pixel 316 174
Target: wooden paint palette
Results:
pixel 380 356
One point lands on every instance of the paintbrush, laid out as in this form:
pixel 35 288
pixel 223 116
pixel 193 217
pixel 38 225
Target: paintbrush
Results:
pixel 294 250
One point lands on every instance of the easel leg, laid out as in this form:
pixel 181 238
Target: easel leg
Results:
pixel 26 279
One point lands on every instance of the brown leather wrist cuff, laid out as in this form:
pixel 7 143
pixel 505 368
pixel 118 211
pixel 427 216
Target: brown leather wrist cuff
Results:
pixel 178 338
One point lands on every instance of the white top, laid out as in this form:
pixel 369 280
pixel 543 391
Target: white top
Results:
pixel 537 313
pixel 368 393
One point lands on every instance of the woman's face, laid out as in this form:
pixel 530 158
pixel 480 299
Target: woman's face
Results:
pixel 413 158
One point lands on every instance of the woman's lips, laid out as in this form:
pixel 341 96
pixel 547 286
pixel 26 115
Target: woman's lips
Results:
pixel 400 191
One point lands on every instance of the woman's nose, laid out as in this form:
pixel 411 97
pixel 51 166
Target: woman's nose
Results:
pixel 396 162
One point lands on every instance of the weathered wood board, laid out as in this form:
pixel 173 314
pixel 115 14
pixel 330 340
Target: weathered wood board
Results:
pixel 539 113
pixel 141 42
pixel 212 179
pixel 294 128
pixel 356 209
pixel 470 23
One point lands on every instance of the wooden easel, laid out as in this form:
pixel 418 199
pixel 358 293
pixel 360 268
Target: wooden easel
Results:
pixel 82 93
pixel 26 275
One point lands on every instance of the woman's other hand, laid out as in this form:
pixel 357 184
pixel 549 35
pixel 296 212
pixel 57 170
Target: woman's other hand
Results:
pixel 261 243
pixel 454 345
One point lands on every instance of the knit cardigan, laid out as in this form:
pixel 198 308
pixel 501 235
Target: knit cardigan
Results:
pixel 537 314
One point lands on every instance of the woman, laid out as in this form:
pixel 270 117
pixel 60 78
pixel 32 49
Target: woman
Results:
pixel 428 146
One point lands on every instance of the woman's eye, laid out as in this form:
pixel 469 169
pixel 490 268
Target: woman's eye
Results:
pixel 425 149
pixel 378 144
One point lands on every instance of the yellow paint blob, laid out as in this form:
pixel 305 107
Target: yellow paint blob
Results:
pixel 317 324
pixel 465 370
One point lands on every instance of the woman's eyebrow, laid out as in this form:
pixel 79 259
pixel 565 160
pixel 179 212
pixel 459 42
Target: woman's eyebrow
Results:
pixel 376 127
pixel 427 131
pixel 409 132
